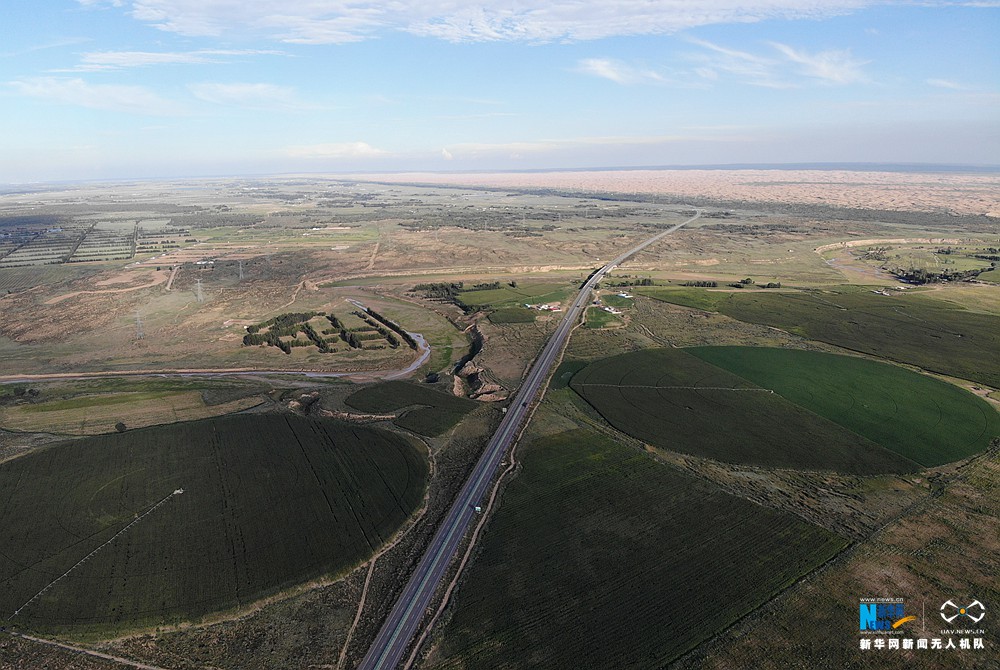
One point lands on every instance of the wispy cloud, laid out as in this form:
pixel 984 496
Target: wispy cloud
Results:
pixel 341 21
pixel 618 72
pixel 747 67
pixel 111 97
pixel 57 44
pixel 336 151
pixel 116 60
pixel 253 95
pixel 946 83
pixel 788 68
pixel 834 66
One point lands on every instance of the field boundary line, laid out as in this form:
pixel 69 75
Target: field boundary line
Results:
pixel 87 652
pixel 400 535
pixel 92 553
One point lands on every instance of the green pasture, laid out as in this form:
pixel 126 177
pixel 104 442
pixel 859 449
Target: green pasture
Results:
pixel 525 292
pixel 597 318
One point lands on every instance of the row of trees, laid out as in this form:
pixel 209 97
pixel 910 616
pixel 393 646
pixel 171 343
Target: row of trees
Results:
pixel 925 276
pixel 393 326
pixel 285 321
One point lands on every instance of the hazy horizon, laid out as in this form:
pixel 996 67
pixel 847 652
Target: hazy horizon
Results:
pixel 127 89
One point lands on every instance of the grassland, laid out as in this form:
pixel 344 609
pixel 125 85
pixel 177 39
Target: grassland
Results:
pixel 932 334
pixel 600 557
pixel 674 400
pixel 508 296
pixel 614 300
pixel 598 318
pixel 428 412
pixel 99 413
pixel 269 502
pixel 921 418
pixel 992 276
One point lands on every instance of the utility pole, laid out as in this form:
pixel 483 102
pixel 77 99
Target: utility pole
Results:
pixel 197 292
pixel 241 269
pixel 139 334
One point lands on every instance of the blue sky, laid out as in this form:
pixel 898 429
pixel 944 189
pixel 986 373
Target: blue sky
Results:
pixel 148 88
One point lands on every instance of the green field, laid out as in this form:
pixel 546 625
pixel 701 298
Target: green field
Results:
pixel 512 315
pixel 614 300
pixel 924 419
pixel 932 334
pixel 991 276
pixel 598 318
pixel 565 371
pixel 269 502
pixel 508 296
pixel 601 557
pixel 674 400
pixel 431 412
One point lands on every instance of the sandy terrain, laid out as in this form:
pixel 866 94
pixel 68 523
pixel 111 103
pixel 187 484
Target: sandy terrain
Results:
pixel 926 192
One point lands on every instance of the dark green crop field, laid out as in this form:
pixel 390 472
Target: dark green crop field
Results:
pixel 600 557
pixel 432 413
pixel 268 502
pixel 672 399
pixel 931 334
pixel 924 419
pixel 512 315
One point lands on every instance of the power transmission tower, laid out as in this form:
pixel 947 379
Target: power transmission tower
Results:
pixel 139 334
pixel 197 292
pixel 241 270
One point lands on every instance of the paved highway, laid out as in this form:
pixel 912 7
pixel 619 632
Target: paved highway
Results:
pixel 404 619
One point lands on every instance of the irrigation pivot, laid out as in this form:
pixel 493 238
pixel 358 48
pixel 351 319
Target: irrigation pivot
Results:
pixel 92 553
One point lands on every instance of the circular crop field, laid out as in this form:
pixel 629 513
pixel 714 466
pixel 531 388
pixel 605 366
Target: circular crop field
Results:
pixel 788 408
pixel 169 523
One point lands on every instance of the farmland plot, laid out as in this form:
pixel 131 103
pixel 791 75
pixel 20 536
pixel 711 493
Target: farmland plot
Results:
pixel 932 334
pixel 268 502
pixel 600 557
pixel 671 399
pixel 924 419
pixel 428 412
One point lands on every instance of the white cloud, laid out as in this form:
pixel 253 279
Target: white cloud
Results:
pixel 115 60
pixel 834 66
pixel 445 154
pixel 337 151
pixel 791 70
pixel 116 98
pixel 338 21
pixel 255 95
pixel 946 83
pixel 617 71
pixel 749 68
